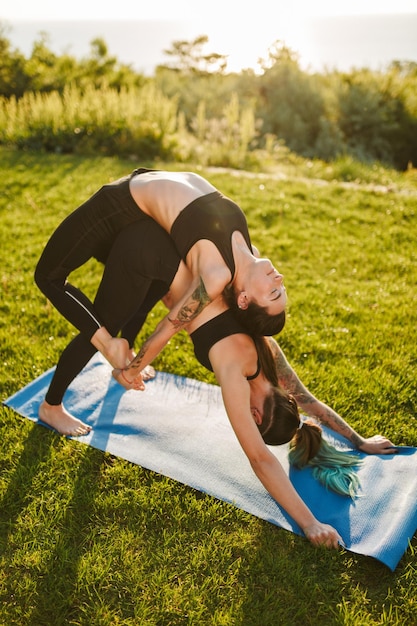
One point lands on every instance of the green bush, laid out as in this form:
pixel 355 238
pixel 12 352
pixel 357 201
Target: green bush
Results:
pixel 137 121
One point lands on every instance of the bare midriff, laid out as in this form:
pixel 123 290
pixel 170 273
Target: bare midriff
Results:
pixel 163 195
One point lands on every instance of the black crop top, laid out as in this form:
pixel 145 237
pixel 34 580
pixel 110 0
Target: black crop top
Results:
pixel 211 332
pixel 213 217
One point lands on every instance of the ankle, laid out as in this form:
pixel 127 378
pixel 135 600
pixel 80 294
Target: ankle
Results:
pixel 101 340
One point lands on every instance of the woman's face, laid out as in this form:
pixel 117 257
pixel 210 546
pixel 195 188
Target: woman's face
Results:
pixel 266 287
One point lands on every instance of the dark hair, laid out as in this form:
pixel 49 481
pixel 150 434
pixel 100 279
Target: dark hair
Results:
pixel 280 417
pixel 255 318
pixel 281 424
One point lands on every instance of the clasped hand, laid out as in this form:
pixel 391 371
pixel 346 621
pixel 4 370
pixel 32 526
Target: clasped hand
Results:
pixel 137 383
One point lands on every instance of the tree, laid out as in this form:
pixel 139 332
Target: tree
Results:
pixel 189 57
pixel 13 78
pixel 376 119
pixel 290 102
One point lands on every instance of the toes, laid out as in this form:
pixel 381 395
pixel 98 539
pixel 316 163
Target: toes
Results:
pixel 80 430
pixel 148 372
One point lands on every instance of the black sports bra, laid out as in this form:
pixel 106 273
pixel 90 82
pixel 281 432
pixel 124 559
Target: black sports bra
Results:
pixel 211 332
pixel 213 217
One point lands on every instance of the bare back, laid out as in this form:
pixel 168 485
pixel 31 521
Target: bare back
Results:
pixel 163 195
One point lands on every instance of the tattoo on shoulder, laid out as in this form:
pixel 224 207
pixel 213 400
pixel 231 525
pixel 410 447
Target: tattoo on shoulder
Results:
pixel 192 307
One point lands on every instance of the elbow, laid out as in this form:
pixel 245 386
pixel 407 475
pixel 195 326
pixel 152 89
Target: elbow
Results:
pixel 259 459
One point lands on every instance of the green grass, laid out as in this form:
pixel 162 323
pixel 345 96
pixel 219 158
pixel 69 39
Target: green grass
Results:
pixel 90 539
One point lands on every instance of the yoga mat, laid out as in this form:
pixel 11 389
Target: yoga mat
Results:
pixel 178 427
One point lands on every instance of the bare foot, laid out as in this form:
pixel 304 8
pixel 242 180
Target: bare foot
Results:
pixel 63 422
pixel 117 352
pixel 148 373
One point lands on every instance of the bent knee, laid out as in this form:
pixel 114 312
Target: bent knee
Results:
pixel 41 278
pixel 45 280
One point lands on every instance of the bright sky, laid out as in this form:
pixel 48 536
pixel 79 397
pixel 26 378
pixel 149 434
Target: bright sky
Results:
pixel 221 10
pixel 243 32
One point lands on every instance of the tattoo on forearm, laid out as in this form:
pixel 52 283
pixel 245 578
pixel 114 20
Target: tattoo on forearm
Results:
pixel 357 440
pixel 192 307
pixel 136 363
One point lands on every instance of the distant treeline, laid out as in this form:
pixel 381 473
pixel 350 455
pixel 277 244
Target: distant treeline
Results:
pixel 193 109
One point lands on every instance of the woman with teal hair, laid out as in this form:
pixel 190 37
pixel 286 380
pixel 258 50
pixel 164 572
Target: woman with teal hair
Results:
pixel 262 396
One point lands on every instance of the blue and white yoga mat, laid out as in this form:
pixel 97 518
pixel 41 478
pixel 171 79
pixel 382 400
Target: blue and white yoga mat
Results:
pixel 178 427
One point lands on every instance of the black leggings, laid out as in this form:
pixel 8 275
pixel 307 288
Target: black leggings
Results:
pixel 140 264
pixel 88 232
pixel 138 272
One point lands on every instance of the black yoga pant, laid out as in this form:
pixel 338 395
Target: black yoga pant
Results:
pixel 138 272
pixel 77 354
pixel 88 232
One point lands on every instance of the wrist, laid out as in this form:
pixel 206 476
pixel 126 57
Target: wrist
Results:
pixel 129 382
pixel 307 529
pixel 308 523
pixel 357 440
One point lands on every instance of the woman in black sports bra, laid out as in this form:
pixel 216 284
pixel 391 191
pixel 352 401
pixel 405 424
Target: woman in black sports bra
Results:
pixel 248 380
pixel 211 234
pixel 261 394
pixel 209 231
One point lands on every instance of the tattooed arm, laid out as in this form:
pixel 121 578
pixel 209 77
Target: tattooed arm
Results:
pixel 313 407
pixel 186 309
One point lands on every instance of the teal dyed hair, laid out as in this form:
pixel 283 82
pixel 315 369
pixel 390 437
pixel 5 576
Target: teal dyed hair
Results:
pixel 335 469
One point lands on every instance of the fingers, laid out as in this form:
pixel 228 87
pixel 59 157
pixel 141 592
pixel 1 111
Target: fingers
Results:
pixel 384 443
pixel 378 445
pixel 137 383
pixel 389 449
pixel 331 542
pixel 323 535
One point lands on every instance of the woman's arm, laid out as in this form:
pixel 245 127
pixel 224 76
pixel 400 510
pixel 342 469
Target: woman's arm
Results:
pixel 187 308
pixel 231 375
pixel 313 407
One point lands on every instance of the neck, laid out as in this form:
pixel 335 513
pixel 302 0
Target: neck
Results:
pixel 243 257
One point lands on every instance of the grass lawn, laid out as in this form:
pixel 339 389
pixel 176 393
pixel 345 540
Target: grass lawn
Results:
pixel 90 539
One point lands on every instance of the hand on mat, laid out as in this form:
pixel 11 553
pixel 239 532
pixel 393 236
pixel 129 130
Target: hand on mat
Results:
pixel 323 535
pixel 378 445
pixel 123 378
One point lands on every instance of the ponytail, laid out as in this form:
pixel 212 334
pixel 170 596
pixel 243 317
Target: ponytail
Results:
pixel 281 424
pixel 334 468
